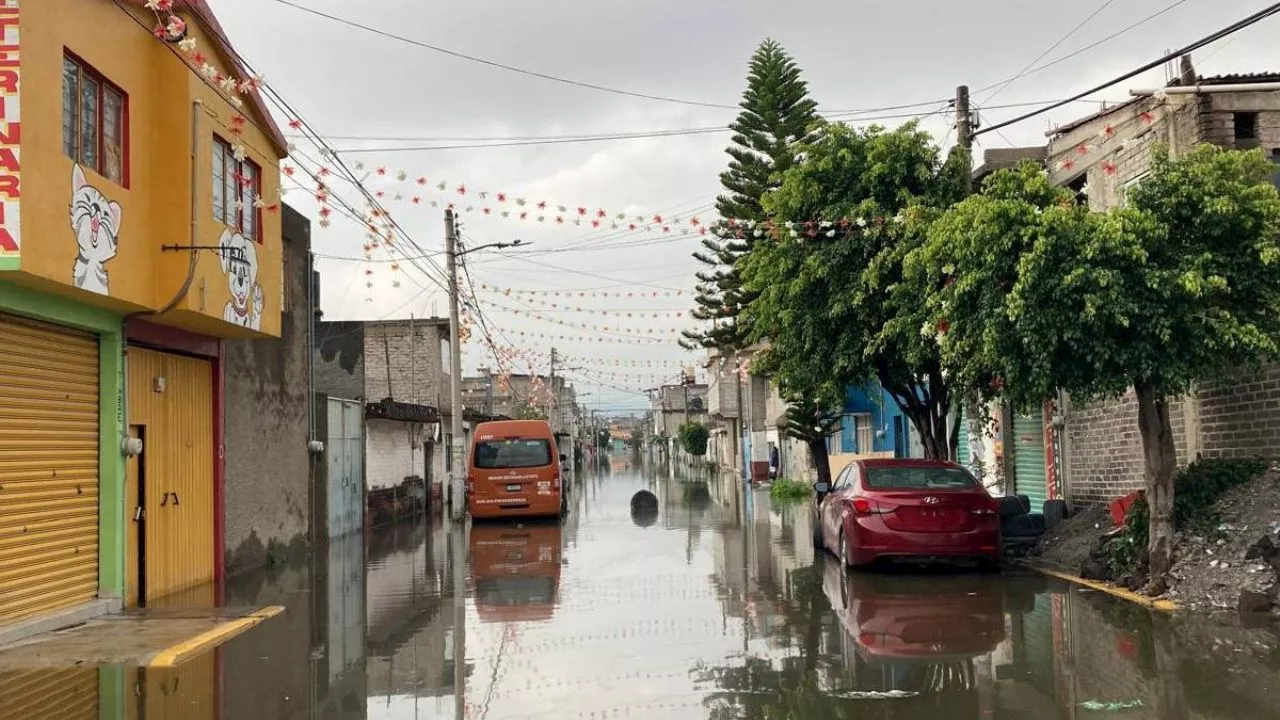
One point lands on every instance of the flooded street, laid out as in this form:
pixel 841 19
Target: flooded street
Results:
pixel 715 609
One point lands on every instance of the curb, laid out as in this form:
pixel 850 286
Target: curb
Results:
pixel 1152 603
pixel 179 653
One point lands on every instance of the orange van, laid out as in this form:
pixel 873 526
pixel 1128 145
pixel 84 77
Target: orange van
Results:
pixel 514 471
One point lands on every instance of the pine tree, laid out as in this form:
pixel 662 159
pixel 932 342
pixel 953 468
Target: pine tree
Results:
pixel 776 114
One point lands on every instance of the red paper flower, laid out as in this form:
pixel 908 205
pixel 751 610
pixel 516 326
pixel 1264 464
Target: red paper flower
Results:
pixel 694 220
pixel 1108 130
pixel 287 170
pixel 582 211
pixel 295 124
pixel 666 229
pixel 560 219
pixel 632 226
pixel 1068 164
pixel 422 181
pixel 417 200
pixel 486 211
pixel 462 189
pixel 380 194
pixel 657 219
pixel 524 215
pixel 324 170
pixel 1147 117
pixel 1082 149
pixel 601 214
pixel 702 231
pixel 381 171
pixel 273 208
pixel 502 197
pixel 542 205
pixel 325 212
pixel 158 31
pixel 1109 168
pixel 595 223
pixel 199 59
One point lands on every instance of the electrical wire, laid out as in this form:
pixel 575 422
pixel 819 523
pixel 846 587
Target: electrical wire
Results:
pixel 1206 40
pixel 1051 48
pixel 1086 48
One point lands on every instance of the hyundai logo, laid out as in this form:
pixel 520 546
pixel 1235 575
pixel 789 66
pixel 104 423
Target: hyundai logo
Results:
pixel 931 500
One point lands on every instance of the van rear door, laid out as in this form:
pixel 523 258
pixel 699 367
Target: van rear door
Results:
pixel 511 464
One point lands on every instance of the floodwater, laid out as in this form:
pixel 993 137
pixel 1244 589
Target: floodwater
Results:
pixel 717 608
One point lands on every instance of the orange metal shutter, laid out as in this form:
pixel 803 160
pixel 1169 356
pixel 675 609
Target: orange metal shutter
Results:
pixel 61 694
pixel 48 467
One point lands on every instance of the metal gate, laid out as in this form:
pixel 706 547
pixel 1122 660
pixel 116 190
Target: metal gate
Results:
pixel 49 437
pixel 345 447
pixel 1028 458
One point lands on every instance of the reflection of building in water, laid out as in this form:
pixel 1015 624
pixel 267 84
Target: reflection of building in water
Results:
pixel 410 618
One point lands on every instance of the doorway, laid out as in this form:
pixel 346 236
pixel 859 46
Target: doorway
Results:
pixel 135 504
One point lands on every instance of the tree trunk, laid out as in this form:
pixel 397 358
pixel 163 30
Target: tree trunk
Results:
pixel 932 431
pixel 818 449
pixel 1160 459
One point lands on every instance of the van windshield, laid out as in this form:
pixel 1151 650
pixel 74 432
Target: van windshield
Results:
pixel 519 453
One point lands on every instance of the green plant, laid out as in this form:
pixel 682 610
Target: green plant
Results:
pixel 1197 488
pixel 786 490
pixel 694 437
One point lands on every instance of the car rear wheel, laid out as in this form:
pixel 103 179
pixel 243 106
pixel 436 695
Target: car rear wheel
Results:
pixel 844 551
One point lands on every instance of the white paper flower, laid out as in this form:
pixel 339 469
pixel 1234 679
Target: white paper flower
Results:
pixel 441 185
pixel 237 103
pixel 238 152
pixel 401 176
pixel 228 84
pixel 208 70
pixel 831 233
pixel 862 222
pixel 188 45
pixel 258 202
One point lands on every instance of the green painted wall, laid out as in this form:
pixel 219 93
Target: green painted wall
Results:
pixel 111 537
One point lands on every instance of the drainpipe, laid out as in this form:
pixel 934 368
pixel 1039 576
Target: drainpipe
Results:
pixel 131 448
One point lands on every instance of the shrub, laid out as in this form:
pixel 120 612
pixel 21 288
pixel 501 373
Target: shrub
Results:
pixel 1197 488
pixel 785 490
pixel 694 437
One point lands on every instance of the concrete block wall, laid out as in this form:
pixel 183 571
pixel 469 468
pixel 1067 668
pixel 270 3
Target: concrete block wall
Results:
pixel 1235 417
pixel 416 362
pixel 389 458
pixel 267 465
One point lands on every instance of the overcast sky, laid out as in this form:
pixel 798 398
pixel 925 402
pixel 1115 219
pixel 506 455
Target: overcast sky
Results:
pixel 350 84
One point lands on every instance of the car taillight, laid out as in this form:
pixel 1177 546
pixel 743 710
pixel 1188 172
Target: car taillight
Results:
pixel 989 506
pixel 865 506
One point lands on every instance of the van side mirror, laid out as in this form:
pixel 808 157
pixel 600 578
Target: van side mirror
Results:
pixel 564 458
pixel 822 488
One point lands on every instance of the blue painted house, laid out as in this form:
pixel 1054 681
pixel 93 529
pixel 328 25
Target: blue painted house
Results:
pixel 873 423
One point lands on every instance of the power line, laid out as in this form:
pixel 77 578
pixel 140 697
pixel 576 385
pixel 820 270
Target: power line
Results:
pixel 1051 48
pixel 1208 39
pixel 499 65
pixel 1088 47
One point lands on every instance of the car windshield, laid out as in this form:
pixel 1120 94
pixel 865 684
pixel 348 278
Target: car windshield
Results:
pixel 519 453
pixel 918 478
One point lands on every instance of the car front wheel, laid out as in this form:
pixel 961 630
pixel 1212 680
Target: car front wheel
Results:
pixel 843 550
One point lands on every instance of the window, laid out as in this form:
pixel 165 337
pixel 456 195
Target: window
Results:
pixel 502 454
pixel 1246 127
pixel 95 121
pixel 918 478
pixel 863 428
pixel 237 185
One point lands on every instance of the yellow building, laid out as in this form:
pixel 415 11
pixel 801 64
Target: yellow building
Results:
pixel 139 226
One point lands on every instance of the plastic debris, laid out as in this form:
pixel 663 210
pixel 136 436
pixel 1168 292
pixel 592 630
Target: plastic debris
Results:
pixel 875 694
pixel 1110 706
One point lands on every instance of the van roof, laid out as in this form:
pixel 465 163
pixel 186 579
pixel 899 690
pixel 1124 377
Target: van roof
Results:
pixel 539 428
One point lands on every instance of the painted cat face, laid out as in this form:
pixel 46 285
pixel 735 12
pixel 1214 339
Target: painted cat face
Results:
pixel 95 220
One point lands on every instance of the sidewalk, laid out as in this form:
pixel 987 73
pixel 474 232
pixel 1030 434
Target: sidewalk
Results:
pixel 143 638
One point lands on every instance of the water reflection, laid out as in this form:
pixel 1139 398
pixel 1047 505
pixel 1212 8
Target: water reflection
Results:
pixel 717 609
pixel 515 571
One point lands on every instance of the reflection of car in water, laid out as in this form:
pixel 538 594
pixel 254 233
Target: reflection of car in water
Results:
pixel 515 571
pixel 915 633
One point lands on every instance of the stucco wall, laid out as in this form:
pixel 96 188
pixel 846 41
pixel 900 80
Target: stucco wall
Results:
pixel 339 359
pixel 389 459
pixel 267 463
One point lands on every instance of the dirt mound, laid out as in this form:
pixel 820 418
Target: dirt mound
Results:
pixel 1068 546
pixel 1239 566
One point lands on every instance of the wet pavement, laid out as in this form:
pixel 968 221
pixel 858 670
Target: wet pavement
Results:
pixel 716 608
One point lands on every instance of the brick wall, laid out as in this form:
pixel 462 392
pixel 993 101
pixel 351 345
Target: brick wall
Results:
pixel 416 362
pixel 1235 417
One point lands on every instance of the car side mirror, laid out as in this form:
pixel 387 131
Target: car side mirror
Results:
pixel 822 488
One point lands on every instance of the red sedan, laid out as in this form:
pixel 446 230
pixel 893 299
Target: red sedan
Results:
pixel 918 510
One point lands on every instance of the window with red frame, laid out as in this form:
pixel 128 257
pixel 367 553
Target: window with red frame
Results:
pixel 237 185
pixel 95 121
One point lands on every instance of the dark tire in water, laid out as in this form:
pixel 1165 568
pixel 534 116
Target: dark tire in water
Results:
pixel 1026 503
pixel 1055 511
pixel 817 536
pixel 1010 506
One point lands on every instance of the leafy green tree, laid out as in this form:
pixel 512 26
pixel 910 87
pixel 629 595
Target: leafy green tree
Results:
pixel 812 423
pixel 829 300
pixel 1181 285
pixel 694 437
pixel 777 113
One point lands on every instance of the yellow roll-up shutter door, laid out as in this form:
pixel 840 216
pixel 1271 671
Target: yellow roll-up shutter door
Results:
pixel 48 467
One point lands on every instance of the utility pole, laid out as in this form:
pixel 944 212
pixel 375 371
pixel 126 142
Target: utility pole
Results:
pixel 457 491
pixel 964 119
pixel 555 392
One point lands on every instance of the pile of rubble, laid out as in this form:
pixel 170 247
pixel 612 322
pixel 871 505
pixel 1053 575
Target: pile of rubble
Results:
pixel 1239 568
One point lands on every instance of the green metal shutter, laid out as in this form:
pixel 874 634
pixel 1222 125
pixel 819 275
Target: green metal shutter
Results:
pixel 1029 474
pixel 962 443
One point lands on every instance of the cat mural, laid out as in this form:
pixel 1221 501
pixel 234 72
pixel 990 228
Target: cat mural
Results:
pixel 96 222
pixel 240 263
